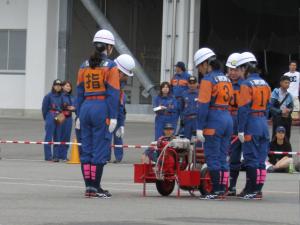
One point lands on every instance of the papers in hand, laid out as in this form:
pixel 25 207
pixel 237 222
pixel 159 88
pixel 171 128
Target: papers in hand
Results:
pixel 158 108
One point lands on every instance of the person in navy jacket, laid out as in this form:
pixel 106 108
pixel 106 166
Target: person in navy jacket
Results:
pixel 51 107
pixel 166 108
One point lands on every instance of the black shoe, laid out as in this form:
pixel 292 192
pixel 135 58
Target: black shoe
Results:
pixel 103 193
pixel 241 194
pixel 117 161
pixel 88 192
pixel 91 192
pixel 231 192
pixel 55 160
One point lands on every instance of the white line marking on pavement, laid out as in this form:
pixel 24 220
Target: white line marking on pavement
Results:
pixel 63 181
pixel 71 186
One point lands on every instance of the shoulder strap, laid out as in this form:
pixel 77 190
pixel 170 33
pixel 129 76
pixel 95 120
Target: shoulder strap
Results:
pixel 283 100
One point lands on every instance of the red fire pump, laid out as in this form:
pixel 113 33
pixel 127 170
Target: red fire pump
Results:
pixel 179 161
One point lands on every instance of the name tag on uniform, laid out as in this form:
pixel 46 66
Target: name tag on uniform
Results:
pixel 258 82
pixel 222 79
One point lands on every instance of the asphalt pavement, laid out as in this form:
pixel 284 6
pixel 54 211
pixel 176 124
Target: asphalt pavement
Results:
pixel 36 192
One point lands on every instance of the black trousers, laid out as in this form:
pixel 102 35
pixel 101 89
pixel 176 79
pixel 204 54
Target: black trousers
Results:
pixel 286 122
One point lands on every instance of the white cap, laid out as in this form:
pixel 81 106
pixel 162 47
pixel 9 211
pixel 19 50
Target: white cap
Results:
pixel 104 36
pixel 126 64
pixel 245 57
pixel 232 60
pixel 202 54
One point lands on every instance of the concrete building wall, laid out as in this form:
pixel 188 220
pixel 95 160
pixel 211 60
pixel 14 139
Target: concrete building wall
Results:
pixel 23 91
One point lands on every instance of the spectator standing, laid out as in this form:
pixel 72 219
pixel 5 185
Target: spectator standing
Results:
pixel 294 76
pixel 281 106
pixel 51 108
pixel 166 108
pixel 179 84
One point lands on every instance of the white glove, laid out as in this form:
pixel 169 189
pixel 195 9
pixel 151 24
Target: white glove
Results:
pixel 77 124
pixel 241 137
pixel 120 132
pixel 112 125
pixel 200 135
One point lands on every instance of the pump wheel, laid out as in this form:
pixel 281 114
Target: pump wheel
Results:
pixel 205 184
pixel 165 187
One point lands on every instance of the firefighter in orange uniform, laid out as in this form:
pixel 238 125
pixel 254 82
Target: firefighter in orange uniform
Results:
pixel 214 126
pixel 98 91
pixel 252 127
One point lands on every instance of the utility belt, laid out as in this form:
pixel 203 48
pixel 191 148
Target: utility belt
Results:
pixel 257 114
pixel 191 116
pixel 218 108
pixel 165 113
pixel 95 97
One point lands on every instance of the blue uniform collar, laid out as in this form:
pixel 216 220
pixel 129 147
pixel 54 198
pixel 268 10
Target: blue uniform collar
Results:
pixel 179 74
pixel 56 93
pixel 214 72
pixel 239 82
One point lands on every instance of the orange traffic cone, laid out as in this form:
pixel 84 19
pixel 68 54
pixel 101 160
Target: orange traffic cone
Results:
pixel 74 159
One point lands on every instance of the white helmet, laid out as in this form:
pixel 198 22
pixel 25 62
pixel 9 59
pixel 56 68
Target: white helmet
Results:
pixel 104 36
pixel 126 64
pixel 245 57
pixel 202 54
pixel 232 60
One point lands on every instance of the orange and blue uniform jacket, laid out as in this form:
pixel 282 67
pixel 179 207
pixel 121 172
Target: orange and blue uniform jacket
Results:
pixel 101 81
pixel 254 98
pixel 215 93
pixel 179 84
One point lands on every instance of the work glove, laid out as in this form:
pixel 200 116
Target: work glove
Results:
pixel 120 132
pixel 241 137
pixel 77 123
pixel 112 125
pixel 200 135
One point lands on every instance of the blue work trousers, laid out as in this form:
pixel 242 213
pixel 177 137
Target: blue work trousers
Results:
pixel 217 134
pixel 65 136
pixel 256 145
pixel 95 137
pixel 53 133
